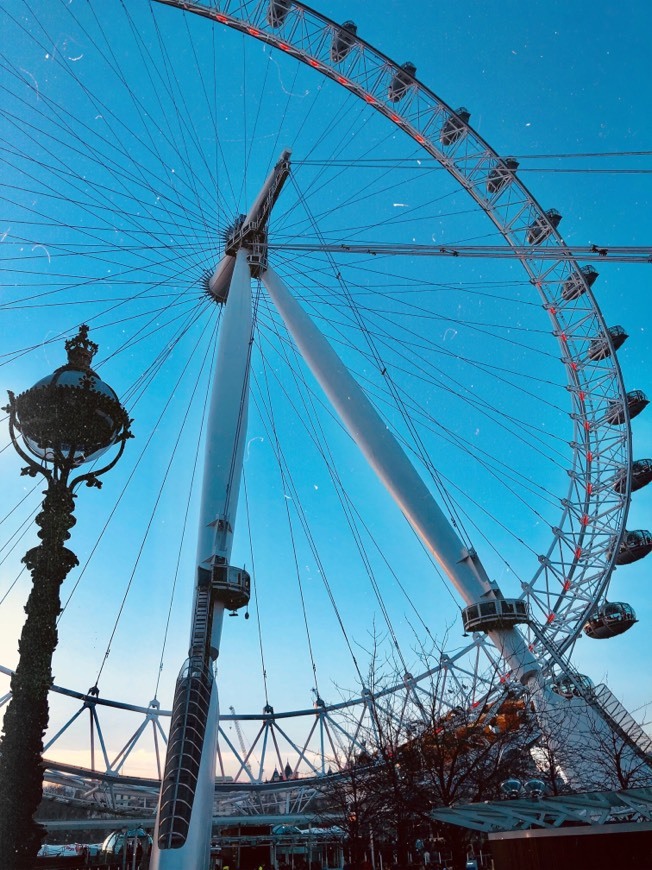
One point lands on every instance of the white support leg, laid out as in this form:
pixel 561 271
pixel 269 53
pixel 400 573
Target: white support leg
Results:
pixel 226 429
pixel 577 732
pixel 395 470
pixel 225 437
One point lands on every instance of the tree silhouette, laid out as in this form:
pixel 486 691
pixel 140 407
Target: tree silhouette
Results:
pixel 432 744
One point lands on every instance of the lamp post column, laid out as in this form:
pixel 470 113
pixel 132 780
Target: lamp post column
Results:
pixel 68 418
pixel 26 719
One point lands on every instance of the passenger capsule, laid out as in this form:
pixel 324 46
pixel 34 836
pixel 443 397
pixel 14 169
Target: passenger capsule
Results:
pixel 343 41
pixel 494 615
pixel 278 12
pixel 113 850
pixel 540 229
pixel 635 545
pixel 610 620
pixel 501 174
pixel 600 347
pixel 641 475
pixel 455 126
pixel 636 401
pixel 578 282
pixel 574 686
pixel 401 81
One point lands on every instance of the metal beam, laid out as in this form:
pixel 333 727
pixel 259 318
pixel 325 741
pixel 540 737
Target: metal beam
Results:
pixel 589 808
pixel 394 469
pixel 592 254
pixel 148 822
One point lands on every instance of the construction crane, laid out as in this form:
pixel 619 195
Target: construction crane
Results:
pixel 243 746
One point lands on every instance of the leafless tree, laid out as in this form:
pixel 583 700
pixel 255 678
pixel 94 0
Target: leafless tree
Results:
pixel 430 745
pixel 577 738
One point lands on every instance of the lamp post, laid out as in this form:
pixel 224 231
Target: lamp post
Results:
pixel 68 418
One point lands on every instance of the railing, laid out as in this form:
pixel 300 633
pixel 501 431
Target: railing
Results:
pixel 621 720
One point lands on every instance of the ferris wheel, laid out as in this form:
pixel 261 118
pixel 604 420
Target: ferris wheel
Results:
pixel 133 157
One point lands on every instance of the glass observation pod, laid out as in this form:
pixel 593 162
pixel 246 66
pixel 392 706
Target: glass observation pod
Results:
pixel 636 402
pixel 496 614
pixel 278 12
pixel 126 848
pixel 574 686
pixel 540 229
pixel 600 347
pixel 230 585
pixel 455 127
pixel 641 475
pixel 635 545
pixel 610 620
pixel 343 41
pixel 401 81
pixel 501 174
pixel 577 283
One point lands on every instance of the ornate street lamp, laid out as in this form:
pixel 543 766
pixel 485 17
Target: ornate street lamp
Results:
pixel 69 418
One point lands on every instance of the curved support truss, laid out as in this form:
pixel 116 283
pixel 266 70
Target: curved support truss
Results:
pixel 281 747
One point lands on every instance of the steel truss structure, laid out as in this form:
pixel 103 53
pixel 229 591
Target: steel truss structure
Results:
pixel 572 576
pixel 132 799
pixel 334 733
pixel 104 784
pixel 575 571
pixel 592 808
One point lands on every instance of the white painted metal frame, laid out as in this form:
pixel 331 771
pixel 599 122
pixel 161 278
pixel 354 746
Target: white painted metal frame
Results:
pixel 592 808
pixel 226 431
pixel 574 573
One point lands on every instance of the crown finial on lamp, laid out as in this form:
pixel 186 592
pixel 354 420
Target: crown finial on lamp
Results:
pixel 81 349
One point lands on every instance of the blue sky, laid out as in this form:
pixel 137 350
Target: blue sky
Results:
pixel 110 207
